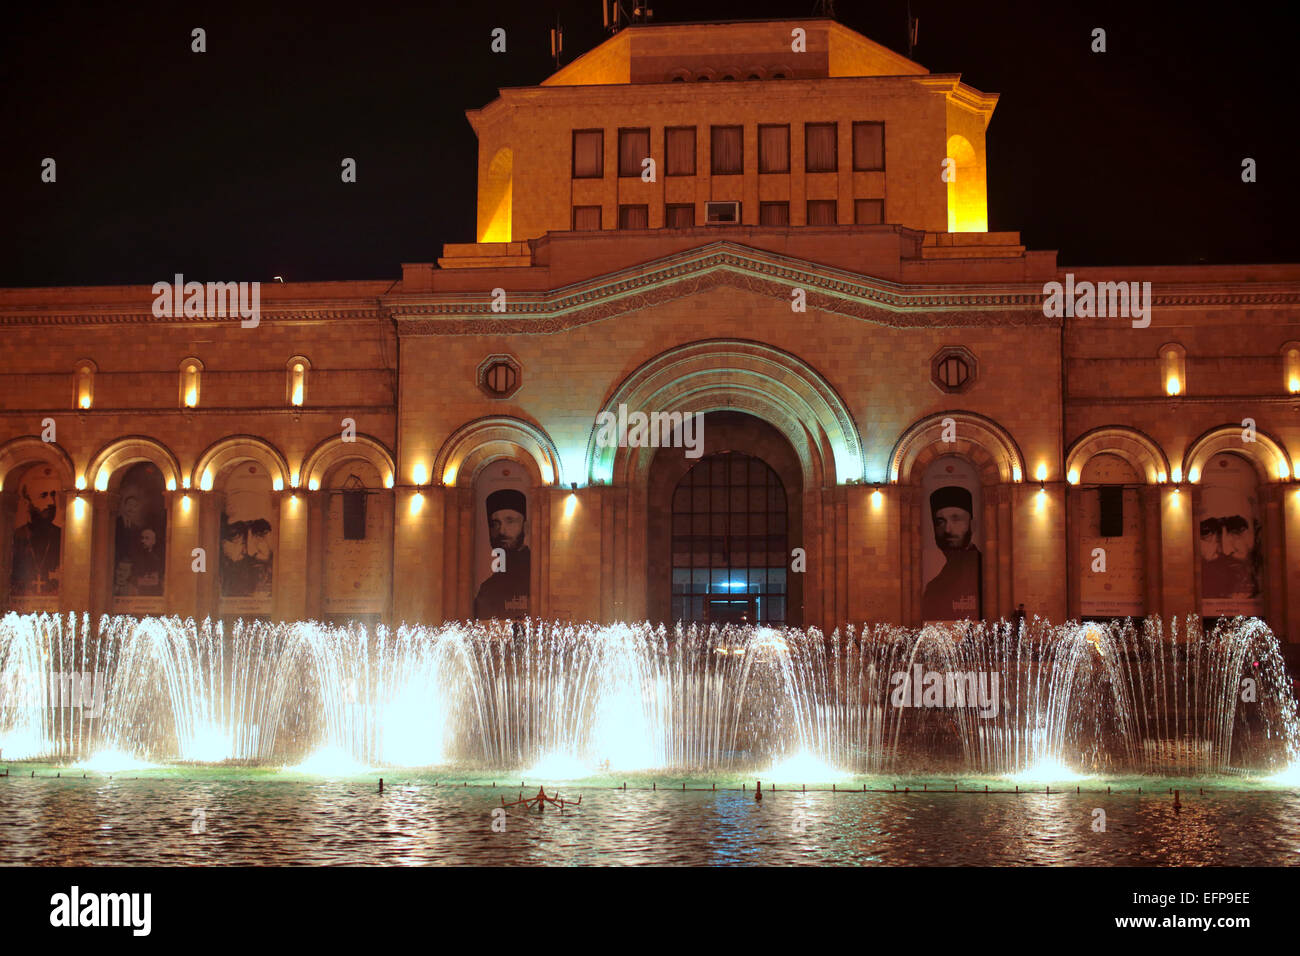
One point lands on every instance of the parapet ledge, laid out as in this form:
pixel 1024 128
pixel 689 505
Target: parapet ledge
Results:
pixel 972 245
pixel 485 255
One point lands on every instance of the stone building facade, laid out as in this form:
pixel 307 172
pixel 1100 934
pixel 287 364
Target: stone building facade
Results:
pixel 896 422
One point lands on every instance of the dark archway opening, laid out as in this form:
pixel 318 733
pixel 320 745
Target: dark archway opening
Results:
pixel 722 527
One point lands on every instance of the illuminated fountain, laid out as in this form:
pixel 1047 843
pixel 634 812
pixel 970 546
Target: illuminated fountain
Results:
pixel 567 700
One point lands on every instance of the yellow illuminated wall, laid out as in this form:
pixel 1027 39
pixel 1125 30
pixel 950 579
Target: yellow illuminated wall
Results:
pixel 968 209
pixel 495 197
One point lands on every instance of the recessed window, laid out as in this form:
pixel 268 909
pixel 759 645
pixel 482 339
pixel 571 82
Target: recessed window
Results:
pixel 952 369
pixel 868 212
pixel 774 214
pixel 728 148
pixel 774 149
pixel 588 153
pixel 821 153
pixel 190 381
pixel 586 219
pixel 83 384
pixel 633 150
pixel 679 151
pixel 354 509
pixel 868 146
pixel 821 212
pixel 1291 367
pixel 633 217
pixel 722 213
pixel 679 215
pixel 1173 367
pixel 296 380
pixel 499 376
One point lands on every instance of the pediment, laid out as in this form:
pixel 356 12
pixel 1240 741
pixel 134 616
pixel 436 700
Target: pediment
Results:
pixel 722 263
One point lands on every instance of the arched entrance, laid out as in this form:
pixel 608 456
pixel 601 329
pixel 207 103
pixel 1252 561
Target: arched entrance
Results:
pixel 730 537
pixel 720 528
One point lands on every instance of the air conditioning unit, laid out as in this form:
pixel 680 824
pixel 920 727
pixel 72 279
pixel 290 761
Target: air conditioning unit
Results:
pixel 722 213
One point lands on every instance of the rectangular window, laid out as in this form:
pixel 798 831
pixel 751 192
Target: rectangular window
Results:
pixel 820 148
pixel 868 212
pixel 354 514
pixel 774 214
pixel 868 146
pixel 588 153
pixel 728 145
pixel 1111 511
pixel 679 151
pixel 821 212
pixel 586 219
pixel 722 213
pixel 679 215
pixel 774 149
pixel 633 149
pixel 634 217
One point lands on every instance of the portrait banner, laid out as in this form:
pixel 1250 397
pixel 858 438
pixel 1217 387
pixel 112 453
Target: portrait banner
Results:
pixel 503 560
pixel 1230 536
pixel 140 541
pixel 37 556
pixel 249 520
pixel 951 536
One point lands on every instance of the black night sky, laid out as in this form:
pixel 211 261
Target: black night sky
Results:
pixel 226 164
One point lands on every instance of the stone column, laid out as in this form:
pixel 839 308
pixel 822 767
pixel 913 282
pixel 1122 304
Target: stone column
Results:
pixel 8 506
pixel 1291 563
pixel 1008 493
pixel 210 505
pixel 421 561
pixel 607 559
pixel 181 587
pixel 814 546
pixel 1075 561
pixel 317 539
pixel 76 551
pixel 909 553
pixel 1180 583
pixel 1152 550
pixel 991 604
pixel 103 556
pixel 1275 597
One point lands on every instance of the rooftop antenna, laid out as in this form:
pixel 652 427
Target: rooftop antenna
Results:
pixel 557 41
pixel 616 16
pixel 826 8
pixel 913 30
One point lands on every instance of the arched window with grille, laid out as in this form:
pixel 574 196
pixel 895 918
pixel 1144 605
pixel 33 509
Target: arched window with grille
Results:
pixel 730 542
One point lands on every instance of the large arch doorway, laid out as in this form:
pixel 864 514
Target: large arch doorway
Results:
pixel 721 527
pixel 730 539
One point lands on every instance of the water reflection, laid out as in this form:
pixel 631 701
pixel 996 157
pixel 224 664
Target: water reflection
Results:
pixel 86 822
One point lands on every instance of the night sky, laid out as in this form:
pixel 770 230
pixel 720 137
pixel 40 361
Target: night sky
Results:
pixel 225 165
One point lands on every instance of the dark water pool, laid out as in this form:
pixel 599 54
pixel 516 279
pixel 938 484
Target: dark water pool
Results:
pixel 188 818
